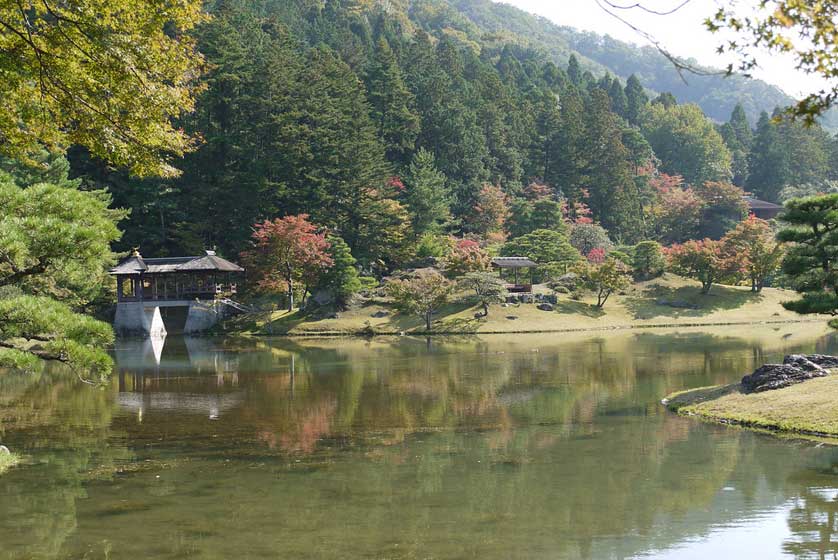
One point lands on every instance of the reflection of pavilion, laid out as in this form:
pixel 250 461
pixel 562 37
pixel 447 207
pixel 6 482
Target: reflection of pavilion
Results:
pixel 176 374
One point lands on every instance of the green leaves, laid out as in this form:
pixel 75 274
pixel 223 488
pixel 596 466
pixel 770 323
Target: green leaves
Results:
pixel 55 240
pixel 36 328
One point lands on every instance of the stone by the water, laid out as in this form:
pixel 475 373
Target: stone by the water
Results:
pixel 545 307
pixel 802 362
pixel 823 360
pixel 796 368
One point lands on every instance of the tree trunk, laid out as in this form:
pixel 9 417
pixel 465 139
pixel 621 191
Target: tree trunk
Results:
pixel 705 287
pixel 485 309
pixel 290 295
pixel 428 315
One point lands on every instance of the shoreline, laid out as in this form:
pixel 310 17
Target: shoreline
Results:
pixel 361 333
pixel 797 411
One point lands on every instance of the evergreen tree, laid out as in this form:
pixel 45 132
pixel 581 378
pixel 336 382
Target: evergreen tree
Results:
pixel 425 194
pixel 391 102
pixel 341 278
pixel 811 260
pixel 574 71
pixel 636 100
pixel 608 178
pixel 619 101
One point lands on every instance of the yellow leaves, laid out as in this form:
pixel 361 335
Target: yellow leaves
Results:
pixel 110 75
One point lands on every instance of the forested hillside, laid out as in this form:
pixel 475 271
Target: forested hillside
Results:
pixel 717 95
pixel 398 125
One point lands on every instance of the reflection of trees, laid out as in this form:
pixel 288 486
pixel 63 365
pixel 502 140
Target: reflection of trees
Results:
pixel 64 428
pixel 472 447
pixel 812 518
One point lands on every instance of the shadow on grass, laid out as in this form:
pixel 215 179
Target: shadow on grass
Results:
pixel 579 308
pixel 415 324
pixel 687 301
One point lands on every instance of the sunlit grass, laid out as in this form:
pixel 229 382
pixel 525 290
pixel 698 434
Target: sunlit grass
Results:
pixel 641 305
pixel 808 407
pixel 7 461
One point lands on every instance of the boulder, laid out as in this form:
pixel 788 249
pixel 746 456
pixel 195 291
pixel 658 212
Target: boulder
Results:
pixel 545 307
pixel 802 362
pixel 380 314
pixel 823 360
pixel 777 376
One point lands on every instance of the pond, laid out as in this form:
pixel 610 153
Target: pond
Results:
pixel 497 447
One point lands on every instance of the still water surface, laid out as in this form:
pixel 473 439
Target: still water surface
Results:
pixel 526 446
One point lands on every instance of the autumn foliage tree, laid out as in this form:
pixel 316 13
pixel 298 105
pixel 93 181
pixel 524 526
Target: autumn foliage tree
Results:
pixel 603 278
pixel 491 209
pixel 753 242
pixel 285 252
pixel 422 294
pixel 709 261
pixel 466 255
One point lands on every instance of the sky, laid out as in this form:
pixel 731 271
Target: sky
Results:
pixel 681 33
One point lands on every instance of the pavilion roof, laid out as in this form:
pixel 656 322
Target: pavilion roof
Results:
pixel 210 262
pixel 513 262
pixel 757 204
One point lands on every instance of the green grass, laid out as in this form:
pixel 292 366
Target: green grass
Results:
pixel 7 461
pixel 636 307
pixel 807 408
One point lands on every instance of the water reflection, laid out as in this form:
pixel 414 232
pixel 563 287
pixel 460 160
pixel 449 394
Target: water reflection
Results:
pixel 507 447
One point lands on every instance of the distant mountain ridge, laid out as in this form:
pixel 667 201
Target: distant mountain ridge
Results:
pixel 717 95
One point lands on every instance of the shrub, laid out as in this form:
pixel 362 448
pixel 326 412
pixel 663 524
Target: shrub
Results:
pixel 648 261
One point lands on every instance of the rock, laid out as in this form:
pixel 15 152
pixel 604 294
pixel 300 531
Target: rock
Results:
pixel 478 315
pixel 545 307
pixel 4 450
pixel 551 298
pixel 777 376
pixel 380 314
pixel 504 305
pixel 823 360
pixel 802 362
pixel 333 316
pixel 511 317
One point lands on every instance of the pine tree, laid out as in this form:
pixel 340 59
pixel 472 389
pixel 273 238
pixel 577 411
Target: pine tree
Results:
pixel 765 162
pixel 391 101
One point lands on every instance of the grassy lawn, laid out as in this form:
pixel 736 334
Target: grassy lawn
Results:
pixel 644 304
pixel 807 407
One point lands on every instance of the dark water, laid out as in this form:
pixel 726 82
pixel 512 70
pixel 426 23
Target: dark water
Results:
pixel 537 446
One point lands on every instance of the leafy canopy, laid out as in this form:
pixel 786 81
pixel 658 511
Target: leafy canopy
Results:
pixel 109 75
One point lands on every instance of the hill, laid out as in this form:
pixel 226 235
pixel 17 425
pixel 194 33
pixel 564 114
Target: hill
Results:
pixel 717 95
